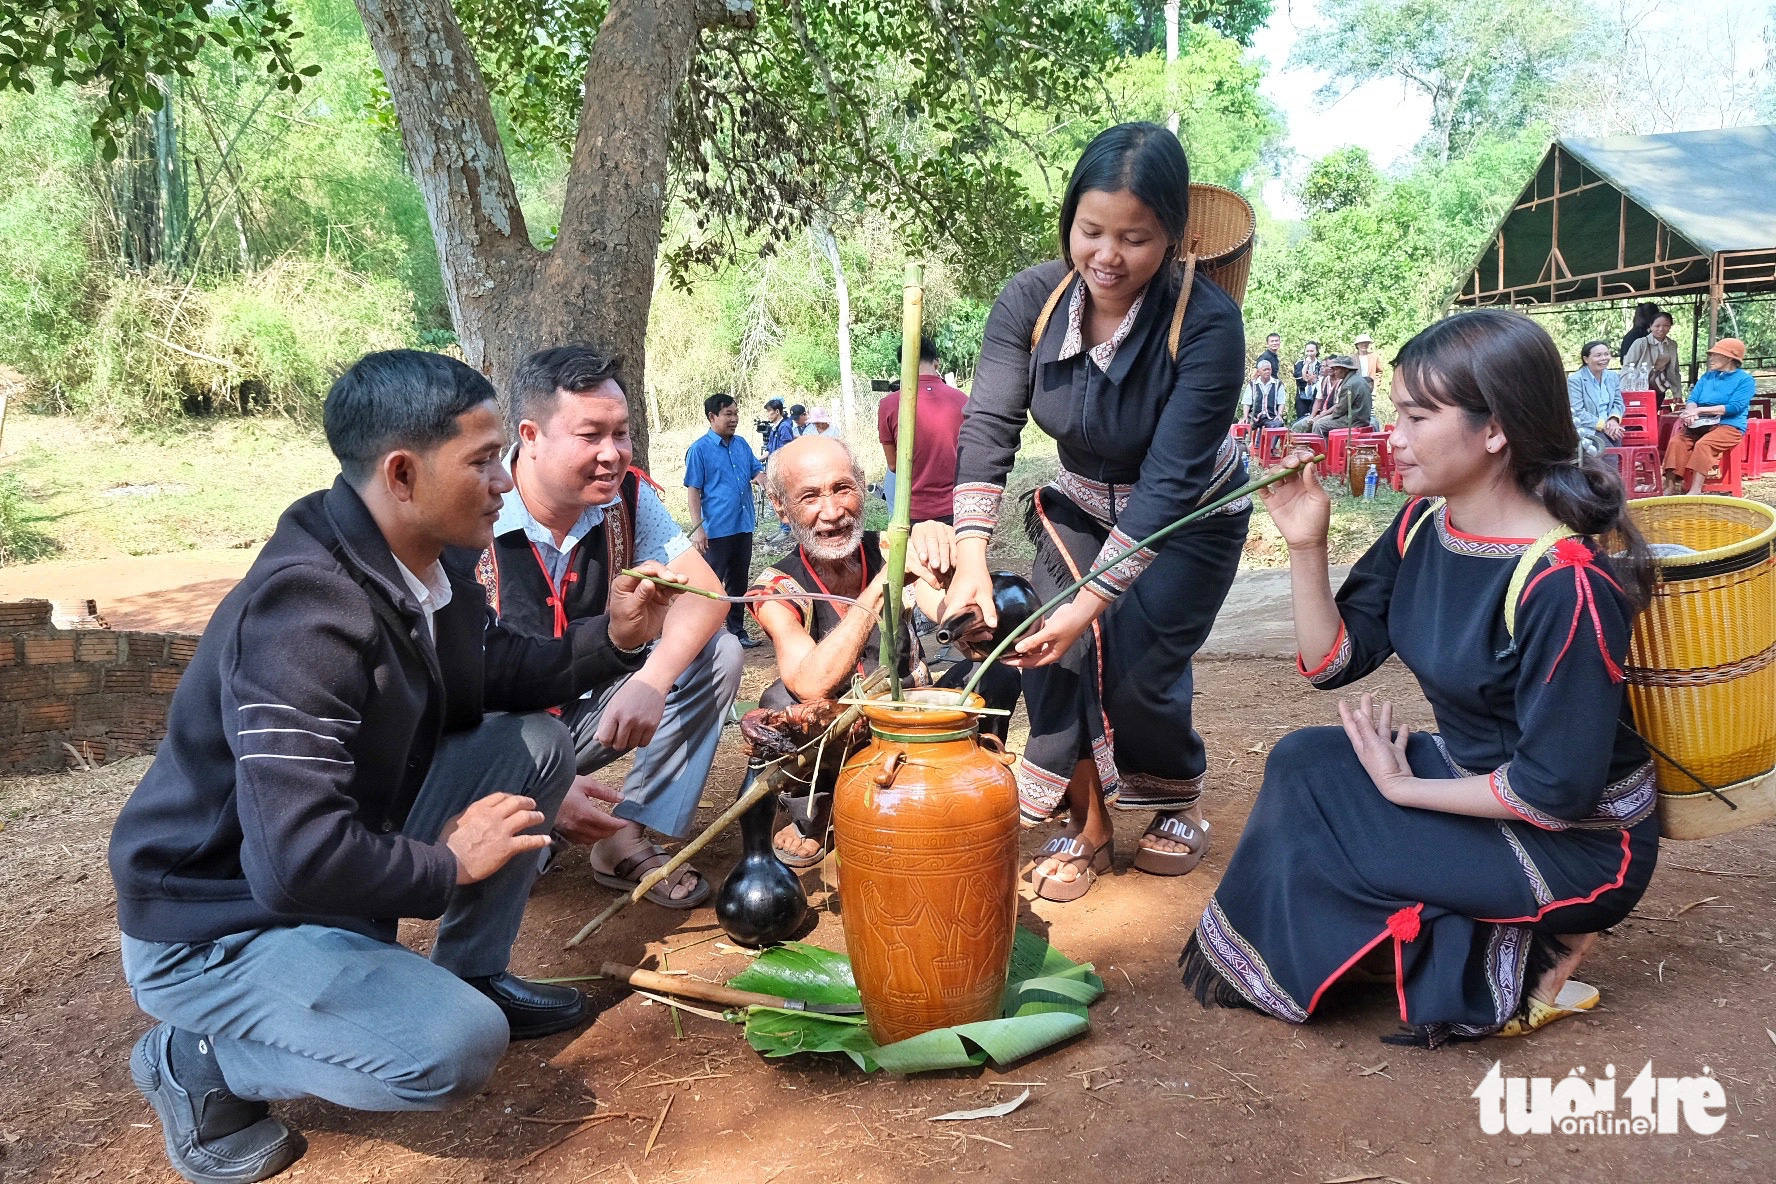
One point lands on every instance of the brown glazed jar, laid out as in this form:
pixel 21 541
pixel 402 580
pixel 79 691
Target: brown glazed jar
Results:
pixel 926 823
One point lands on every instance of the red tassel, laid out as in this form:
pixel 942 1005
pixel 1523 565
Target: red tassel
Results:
pixel 1404 924
pixel 1574 554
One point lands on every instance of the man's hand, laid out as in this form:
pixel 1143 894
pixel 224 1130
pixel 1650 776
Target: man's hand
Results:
pixel 638 607
pixel 700 541
pixel 581 819
pixel 934 544
pixel 631 716
pixel 490 832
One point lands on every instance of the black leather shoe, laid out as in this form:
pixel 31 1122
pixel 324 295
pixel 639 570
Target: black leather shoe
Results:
pixel 212 1136
pixel 533 1009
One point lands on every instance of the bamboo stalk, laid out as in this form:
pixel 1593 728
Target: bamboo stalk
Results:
pixel 769 782
pixel 1159 535
pixel 900 522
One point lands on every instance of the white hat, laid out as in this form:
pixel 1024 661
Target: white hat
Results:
pixel 819 415
pixel 1363 339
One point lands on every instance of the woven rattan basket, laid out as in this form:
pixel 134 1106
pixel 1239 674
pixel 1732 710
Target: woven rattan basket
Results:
pixel 1220 231
pixel 1702 663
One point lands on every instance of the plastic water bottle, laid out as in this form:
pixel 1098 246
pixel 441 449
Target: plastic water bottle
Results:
pixel 1369 481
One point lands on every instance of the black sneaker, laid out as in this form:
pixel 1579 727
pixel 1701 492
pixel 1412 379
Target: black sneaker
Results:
pixel 211 1134
pixel 533 1009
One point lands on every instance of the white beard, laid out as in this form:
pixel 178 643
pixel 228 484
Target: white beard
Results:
pixel 828 552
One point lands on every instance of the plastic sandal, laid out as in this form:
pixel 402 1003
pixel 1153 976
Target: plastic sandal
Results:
pixel 1174 863
pixel 1073 848
pixel 1574 997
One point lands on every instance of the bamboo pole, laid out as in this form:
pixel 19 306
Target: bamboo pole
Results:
pixel 769 782
pixel 1159 535
pixel 900 523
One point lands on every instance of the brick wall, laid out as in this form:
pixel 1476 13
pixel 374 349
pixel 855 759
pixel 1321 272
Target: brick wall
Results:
pixel 100 691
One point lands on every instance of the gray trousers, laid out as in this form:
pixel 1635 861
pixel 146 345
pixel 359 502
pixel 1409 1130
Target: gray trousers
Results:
pixel 312 1011
pixel 666 781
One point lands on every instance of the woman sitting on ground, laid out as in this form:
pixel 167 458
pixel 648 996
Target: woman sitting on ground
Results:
pixel 1713 420
pixel 1491 852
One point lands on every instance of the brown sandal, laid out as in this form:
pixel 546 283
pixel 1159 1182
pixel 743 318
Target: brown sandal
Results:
pixel 627 874
pixel 1174 863
pixel 1074 849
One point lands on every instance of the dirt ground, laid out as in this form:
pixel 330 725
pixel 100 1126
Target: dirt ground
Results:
pixel 1158 1090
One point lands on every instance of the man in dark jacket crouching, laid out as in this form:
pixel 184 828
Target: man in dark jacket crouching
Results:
pixel 329 768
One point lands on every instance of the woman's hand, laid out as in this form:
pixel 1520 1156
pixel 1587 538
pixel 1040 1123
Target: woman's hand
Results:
pixel 971 584
pixel 1613 429
pixel 1056 635
pixel 1379 745
pixel 1688 415
pixel 1299 504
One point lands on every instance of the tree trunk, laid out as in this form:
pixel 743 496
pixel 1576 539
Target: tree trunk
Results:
pixel 453 147
pixel 506 297
pixel 847 385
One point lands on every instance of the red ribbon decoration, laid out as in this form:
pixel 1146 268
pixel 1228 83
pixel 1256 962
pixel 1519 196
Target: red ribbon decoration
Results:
pixel 1572 553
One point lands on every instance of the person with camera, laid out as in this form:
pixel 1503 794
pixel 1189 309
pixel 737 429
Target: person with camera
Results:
pixel 720 472
pixel 778 427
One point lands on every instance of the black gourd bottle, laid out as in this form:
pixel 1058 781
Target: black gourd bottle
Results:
pixel 761 902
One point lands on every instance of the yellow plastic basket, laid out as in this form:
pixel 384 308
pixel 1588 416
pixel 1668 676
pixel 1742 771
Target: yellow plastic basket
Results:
pixel 1702 663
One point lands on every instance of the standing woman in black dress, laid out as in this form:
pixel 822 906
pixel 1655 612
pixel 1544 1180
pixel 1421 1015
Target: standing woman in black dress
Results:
pixel 1132 361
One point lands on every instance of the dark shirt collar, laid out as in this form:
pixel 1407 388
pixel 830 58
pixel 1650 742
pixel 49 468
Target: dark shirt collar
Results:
pixel 361 543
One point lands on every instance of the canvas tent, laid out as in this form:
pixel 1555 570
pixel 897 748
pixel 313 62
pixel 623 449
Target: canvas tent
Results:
pixel 1637 217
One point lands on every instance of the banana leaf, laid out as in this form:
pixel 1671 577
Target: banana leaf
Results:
pixel 1046 996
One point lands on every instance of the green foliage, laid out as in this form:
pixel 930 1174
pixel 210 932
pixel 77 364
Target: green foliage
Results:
pixel 1339 179
pixel 130 48
pixel 22 538
pixel 47 212
pixel 1387 264
pixel 1046 996
pixel 1485 65
pixel 1143 30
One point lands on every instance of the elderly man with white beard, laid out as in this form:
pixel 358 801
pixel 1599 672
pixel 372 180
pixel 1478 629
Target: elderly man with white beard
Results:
pixel 817 488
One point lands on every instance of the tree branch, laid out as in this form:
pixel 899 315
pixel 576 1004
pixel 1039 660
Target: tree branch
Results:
pixel 798 21
pixel 726 14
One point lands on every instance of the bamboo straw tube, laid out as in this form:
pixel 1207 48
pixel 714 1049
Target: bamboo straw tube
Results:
pixel 900 522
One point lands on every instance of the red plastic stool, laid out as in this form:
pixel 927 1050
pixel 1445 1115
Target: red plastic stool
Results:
pixel 1640 428
pixel 1239 431
pixel 1730 477
pixel 1642 402
pixel 1762 406
pixel 1337 448
pixel 1760 447
pixel 1667 424
pixel 1273 445
pixel 1639 467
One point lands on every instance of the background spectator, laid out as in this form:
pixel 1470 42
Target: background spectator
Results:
pixel 934 437
pixel 719 474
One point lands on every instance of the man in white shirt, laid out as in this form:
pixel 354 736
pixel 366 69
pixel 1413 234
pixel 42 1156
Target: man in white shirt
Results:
pixel 579 512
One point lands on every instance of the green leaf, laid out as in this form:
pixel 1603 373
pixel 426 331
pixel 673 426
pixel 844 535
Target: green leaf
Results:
pixel 779 1033
pixel 1067 987
pixel 798 971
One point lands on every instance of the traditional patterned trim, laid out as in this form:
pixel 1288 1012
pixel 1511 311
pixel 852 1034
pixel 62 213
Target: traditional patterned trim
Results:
pixel 1334 663
pixel 619 541
pixel 975 508
pixel 1104 352
pixel 1458 770
pixel 1145 791
pixel 1474 544
pixel 1507 955
pixel 1040 793
pixel 1115 581
pixel 774 581
pixel 1104 760
pixel 1702 676
pixel 1507 797
pixel 1242 967
pixel 1622 804
pixel 1538 885
pixel 1102 501
pixel 487 571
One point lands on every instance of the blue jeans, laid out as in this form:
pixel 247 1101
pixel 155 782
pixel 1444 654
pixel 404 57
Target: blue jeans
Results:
pixel 666 781
pixel 312 1011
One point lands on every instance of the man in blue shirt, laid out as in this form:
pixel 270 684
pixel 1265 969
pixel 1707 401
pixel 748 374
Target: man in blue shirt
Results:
pixel 783 426
pixel 720 471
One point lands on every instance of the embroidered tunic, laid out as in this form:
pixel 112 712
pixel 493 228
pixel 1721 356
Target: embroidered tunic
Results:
pixel 1142 440
pixel 1327 868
